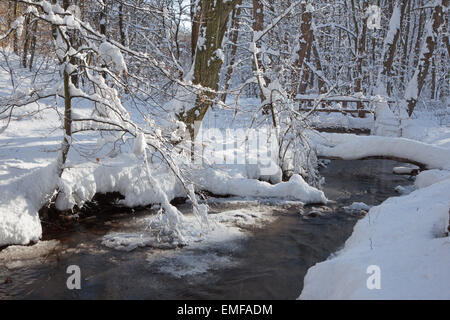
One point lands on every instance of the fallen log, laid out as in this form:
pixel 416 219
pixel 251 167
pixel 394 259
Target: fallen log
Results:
pixel 353 147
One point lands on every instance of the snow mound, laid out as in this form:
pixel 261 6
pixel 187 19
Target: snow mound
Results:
pixel 429 177
pixel 220 183
pixel 124 174
pixel 357 206
pixel 112 55
pixel 352 147
pixel 20 201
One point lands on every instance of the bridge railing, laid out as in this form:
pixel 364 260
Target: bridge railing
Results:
pixel 359 106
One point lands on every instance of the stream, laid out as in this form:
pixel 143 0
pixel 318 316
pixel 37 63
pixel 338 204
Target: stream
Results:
pixel 270 262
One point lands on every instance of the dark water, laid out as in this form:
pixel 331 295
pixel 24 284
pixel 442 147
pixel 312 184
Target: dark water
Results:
pixel 269 264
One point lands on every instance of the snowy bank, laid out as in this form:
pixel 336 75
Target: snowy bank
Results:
pixel 20 202
pixel 352 147
pixel 406 237
pixel 221 183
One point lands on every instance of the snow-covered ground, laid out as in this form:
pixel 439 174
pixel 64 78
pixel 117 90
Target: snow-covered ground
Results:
pixel 30 145
pixel 404 236
pixel 401 248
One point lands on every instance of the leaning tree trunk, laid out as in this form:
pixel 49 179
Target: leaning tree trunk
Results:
pixel 431 34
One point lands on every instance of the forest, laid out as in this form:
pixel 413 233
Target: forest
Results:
pixel 188 134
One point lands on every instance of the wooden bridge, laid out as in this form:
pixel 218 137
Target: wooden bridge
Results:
pixel 359 106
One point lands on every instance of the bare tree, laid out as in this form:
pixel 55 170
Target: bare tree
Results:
pixel 208 58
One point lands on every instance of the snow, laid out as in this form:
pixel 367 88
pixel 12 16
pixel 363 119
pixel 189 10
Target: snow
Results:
pixel 339 120
pixel 20 201
pixel 139 145
pixel 405 170
pixel 406 237
pixel 357 206
pixel 220 55
pixel 124 174
pixel 29 147
pixel 429 177
pixel 296 188
pixel 225 227
pixel 19 256
pixel 386 123
pixel 350 147
pixel 394 25
pixel 110 54
pixel 18 25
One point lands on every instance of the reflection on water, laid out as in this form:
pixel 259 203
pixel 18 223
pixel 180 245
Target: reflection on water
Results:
pixel 270 264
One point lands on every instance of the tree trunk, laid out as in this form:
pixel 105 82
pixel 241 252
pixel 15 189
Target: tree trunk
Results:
pixel 390 47
pixel 361 51
pixel 432 31
pixel 258 25
pixel 305 43
pixel 233 39
pixel 196 19
pixel 33 44
pixel 208 61
pixel 317 59
pixel 405 71
pixel 67 122
pixel 16 37
pixel 121 27
pixel 26 42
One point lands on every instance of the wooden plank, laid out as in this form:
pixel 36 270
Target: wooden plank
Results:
pixel 337 110
pixel 337 99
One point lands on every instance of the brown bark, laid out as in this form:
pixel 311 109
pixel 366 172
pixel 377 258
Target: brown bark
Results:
pixel 389 52
pixel 426 55
pixel 26 42
pixel 121 27
pixel 406 43
pixel 258 25
pixel 33 44
pixel 16 37
pixel 196 17
pixel 207 64
pixel 233 39
pixel 305 45
pixel 361 51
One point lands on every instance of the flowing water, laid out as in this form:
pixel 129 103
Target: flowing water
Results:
pixel 270 263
